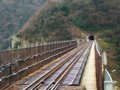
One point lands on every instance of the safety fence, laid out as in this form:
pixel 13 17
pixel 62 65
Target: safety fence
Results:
pixel 16 64
pixel 98 64
pixel 105 82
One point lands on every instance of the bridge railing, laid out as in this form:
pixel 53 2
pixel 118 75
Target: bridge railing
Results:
pixel 16 64
pixel 98 64
pixel 108 83
pixel 9 56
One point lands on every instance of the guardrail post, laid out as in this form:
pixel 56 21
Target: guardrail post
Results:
pixel 107 84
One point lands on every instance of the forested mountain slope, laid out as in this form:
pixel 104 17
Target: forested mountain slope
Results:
pixel 13 14
pixel 88 15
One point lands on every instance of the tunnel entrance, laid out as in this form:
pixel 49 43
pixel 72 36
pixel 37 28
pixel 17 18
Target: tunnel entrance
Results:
pixel 91 37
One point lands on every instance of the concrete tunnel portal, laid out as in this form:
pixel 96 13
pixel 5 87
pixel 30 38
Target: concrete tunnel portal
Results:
pixel 91 37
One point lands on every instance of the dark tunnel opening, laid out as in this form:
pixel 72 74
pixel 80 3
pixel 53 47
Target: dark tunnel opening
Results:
pixel 91 37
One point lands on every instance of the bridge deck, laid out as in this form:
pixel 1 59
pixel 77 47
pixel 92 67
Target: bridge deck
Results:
pixel 89 75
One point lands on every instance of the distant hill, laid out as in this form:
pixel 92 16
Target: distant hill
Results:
pixel 13 15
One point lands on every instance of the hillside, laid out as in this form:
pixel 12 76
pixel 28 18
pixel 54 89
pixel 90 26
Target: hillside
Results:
pixel 88 15
pixel 68 18
pixel 109 40
pixel 13 14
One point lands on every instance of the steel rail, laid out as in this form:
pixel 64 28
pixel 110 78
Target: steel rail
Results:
pixel 65 72
pixel 47 74
pixel 82 65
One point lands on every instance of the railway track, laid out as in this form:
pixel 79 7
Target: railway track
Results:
pixel 58 74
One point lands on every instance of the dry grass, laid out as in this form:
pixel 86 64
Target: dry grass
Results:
pixel 112 63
